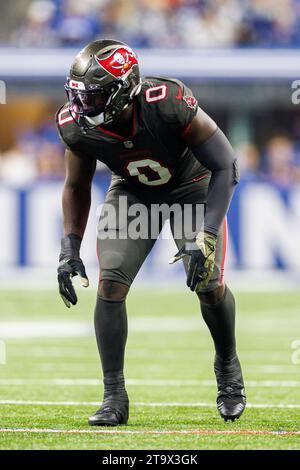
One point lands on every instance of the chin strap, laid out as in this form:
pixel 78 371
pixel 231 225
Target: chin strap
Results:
pixel 135 91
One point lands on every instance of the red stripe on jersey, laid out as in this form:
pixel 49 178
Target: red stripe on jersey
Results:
pixel 199 178
pixel 98 256
pixel 225 235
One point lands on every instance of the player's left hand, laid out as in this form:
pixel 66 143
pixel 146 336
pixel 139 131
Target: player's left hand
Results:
pixel 202 259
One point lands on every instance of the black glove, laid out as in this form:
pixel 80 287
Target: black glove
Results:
pixel 202 259
pixel 70 265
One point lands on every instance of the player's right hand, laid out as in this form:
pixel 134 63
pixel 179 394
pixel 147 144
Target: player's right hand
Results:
pixel 67 269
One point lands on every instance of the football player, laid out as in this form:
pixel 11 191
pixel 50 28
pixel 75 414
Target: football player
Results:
pixel 161 147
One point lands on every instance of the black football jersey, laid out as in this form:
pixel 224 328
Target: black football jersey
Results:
pixel 155 155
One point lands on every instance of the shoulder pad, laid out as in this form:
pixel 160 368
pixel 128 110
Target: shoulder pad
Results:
pixel 173 100
pixel 63 116
pixel 67 128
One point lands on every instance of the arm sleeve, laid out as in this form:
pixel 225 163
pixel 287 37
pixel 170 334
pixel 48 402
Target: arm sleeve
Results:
pixel 218 156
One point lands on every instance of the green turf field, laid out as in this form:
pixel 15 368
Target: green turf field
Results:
pixel 169 370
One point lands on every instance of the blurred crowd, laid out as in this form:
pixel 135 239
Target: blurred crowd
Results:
pixel 161 23
pixel 38 156
pixel 277 162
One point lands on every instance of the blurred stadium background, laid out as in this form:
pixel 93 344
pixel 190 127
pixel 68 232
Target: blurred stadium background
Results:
pixel 239 57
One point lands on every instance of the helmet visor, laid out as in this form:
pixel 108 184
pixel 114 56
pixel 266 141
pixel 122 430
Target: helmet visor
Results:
pixel 89 103
pixel 92 103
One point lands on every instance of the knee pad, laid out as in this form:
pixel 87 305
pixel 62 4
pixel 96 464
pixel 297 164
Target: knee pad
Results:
pixel 212 297
pixel 112 290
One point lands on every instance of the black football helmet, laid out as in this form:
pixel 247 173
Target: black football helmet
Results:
pixel 104 78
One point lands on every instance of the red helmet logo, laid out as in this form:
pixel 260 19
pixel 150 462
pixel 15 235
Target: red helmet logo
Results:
pixel 119 62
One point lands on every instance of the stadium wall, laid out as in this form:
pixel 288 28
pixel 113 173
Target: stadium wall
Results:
pixel 264 231
pixel 31 63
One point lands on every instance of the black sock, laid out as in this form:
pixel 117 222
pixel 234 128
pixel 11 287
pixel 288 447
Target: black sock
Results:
pixel 220 319
pixel 111 334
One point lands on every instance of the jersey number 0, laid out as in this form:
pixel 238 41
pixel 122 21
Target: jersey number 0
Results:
pixel 149 172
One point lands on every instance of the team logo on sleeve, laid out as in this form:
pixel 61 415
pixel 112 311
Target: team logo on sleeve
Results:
pixel 119 62
pixel 190 101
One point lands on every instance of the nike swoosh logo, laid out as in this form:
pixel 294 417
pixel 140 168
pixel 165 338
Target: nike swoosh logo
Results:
pixel 179 96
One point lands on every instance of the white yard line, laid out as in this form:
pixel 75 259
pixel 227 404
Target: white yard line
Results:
pixel 45 329
pixel 148 382
pixel 119 431
pixel 59 328
pixel 145 404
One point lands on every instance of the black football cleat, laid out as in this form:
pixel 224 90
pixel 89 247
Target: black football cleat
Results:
pixel 231 398
pixel 113 412
pixel 231 401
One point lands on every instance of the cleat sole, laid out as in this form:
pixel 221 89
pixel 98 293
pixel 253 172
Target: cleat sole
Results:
pixel 230 418
pixel 109 425
pixel 106 422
